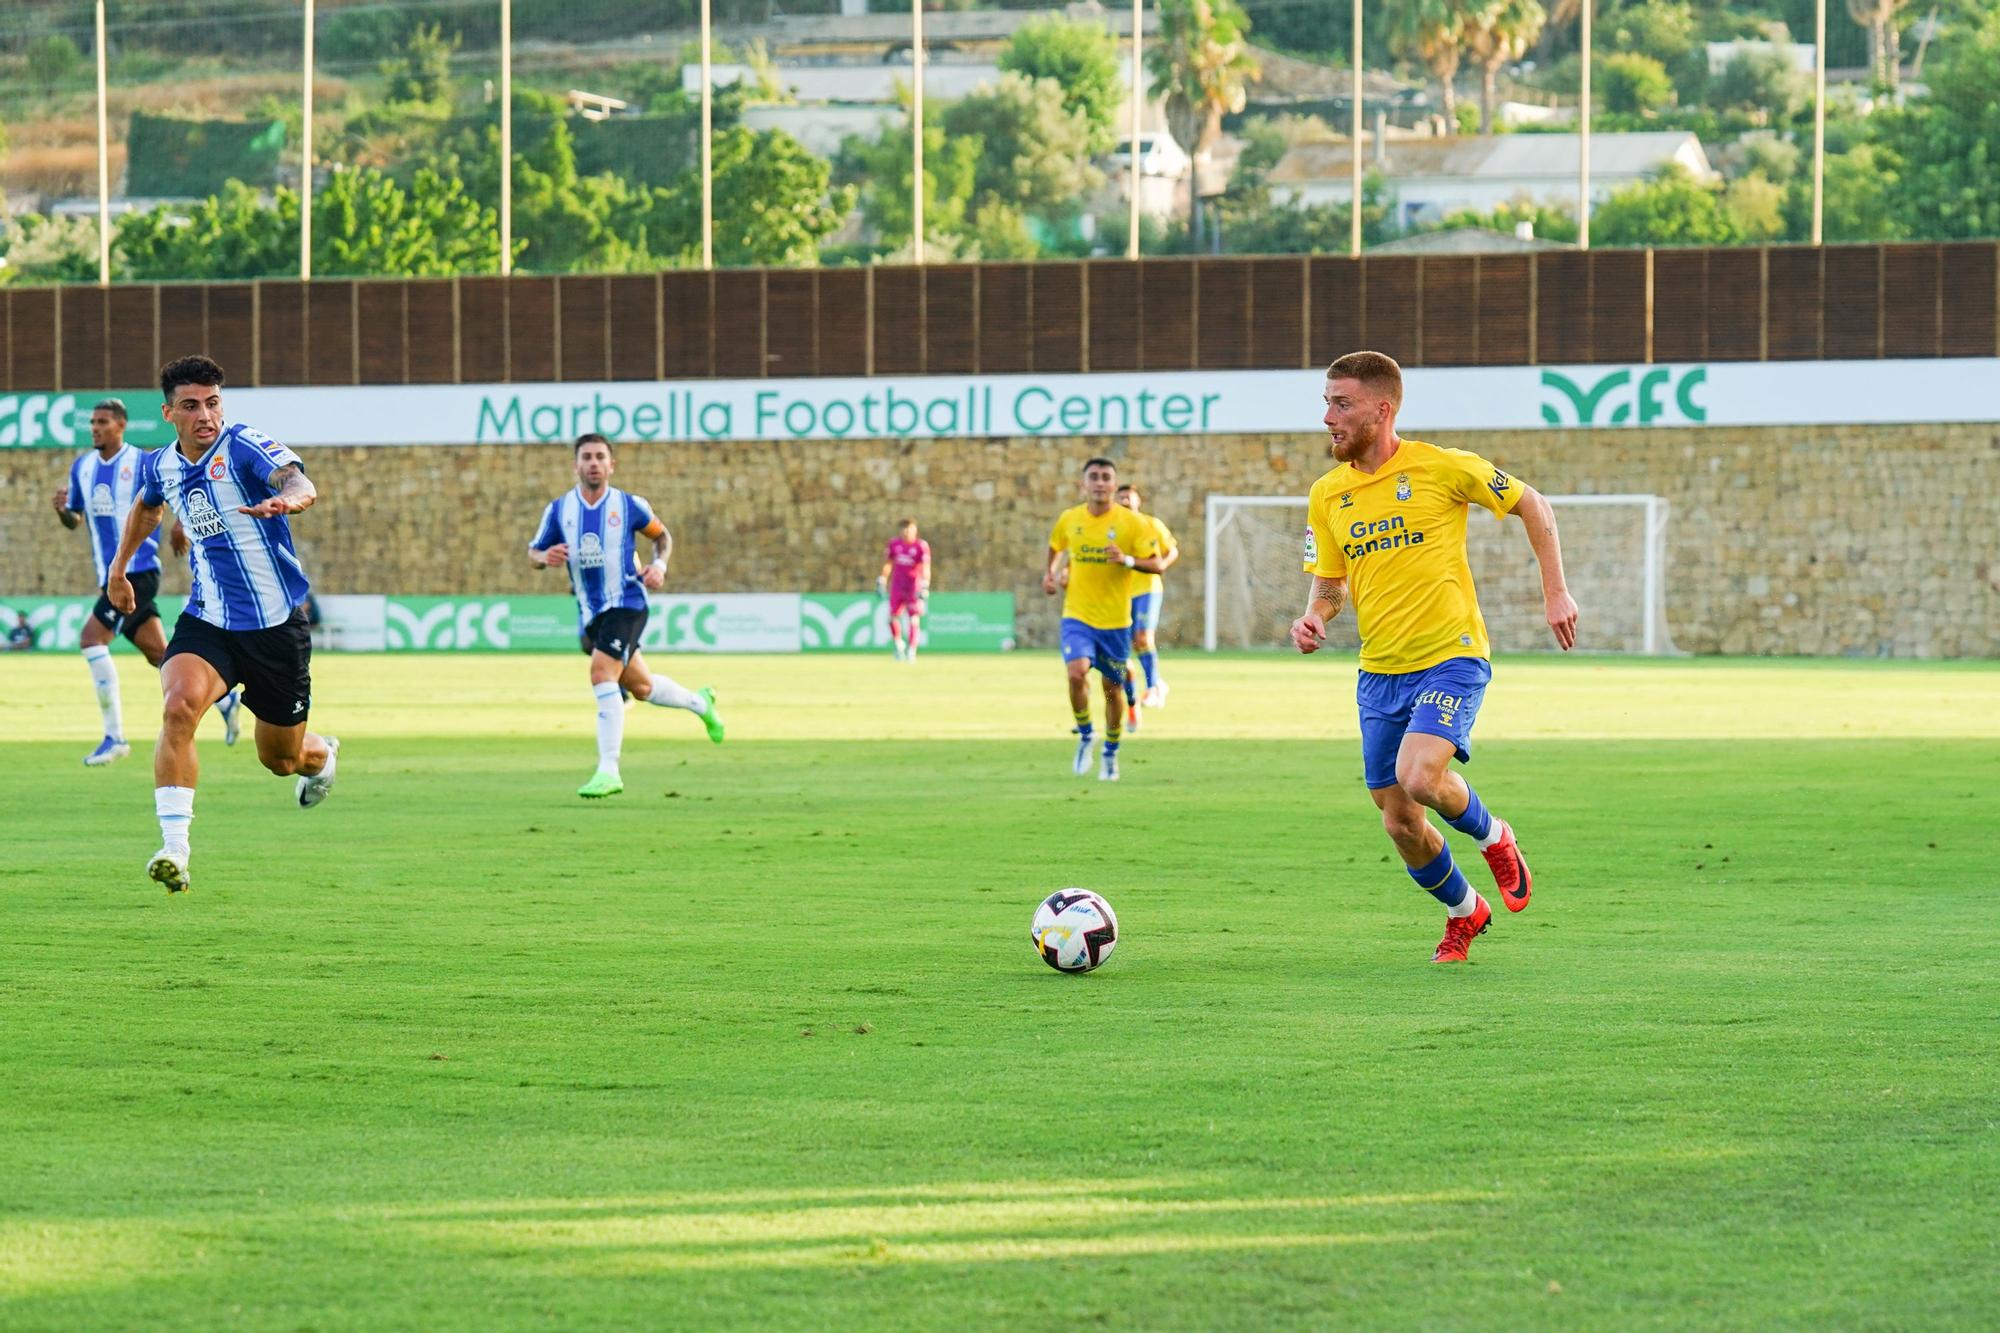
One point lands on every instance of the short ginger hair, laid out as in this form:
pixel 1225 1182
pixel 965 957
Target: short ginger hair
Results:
pixel 1374 371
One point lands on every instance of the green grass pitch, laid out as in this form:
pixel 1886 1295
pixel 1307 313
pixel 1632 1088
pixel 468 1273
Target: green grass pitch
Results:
pixel 762 1042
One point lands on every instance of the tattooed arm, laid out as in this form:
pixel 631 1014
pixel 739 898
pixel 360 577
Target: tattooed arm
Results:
pixel 295 492
pixel 1534 510
pixel 1323 604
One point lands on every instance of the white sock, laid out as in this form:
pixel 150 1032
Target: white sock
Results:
pixel 1494 832
pixel 610 725
pixel 667 694
pixel 175 807
pixel 104 674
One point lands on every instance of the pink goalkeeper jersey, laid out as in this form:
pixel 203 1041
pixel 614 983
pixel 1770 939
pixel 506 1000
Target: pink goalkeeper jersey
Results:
pixel 906 561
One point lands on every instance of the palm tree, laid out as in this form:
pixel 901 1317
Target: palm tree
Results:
pixel 1497 33
pixel 1432 31
pixel 1202 68
pixel 1879 17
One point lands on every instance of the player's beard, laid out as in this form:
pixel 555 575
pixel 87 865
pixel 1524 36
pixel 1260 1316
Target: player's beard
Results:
pixel 1361 437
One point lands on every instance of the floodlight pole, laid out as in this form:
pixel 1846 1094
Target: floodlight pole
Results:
pixel 1819 123
pixel 306 156
pixel 707 139
pixel 103 165
pixel 506 137
pixel 1138 92
pixel 1583 138
pixel 917 130
pixel 1354 135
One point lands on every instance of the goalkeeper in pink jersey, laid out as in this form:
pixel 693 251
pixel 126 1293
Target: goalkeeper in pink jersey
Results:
pixel 906 580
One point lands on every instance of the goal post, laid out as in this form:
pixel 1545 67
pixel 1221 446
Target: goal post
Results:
pixel 1614 557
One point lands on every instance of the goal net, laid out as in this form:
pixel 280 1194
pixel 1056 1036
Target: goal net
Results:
pixel 1614 555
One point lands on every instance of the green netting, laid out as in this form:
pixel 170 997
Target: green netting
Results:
pixel 172 158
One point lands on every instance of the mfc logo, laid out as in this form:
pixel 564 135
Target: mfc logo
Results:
pixel 449 625
pixel 687 623
pixel 30 419
pixel 1657 394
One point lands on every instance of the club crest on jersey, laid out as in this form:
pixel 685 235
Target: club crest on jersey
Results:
pixel 590 551
pixel 102 505
pixel 125 473
pixel 613 518
pixel 218 469
pixel 1402 485
pixel 201 518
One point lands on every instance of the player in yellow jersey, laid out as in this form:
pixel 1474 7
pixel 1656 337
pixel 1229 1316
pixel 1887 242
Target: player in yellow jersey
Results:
pixel 1148 590
pixel 1097 605
pixel 1386 528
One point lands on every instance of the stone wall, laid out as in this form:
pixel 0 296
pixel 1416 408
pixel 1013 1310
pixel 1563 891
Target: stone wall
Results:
pixel 1872 541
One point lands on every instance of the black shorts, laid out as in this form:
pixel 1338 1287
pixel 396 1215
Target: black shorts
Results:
pixel 145 587
pixel 274 666
pixel 615 633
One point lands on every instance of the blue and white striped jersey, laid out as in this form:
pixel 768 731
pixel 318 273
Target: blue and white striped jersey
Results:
pixel 102 491
pixel 246 574
pixel 603 571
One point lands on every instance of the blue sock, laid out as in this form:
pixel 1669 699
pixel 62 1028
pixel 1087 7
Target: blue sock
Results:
pixel 1151 663
pixel 1110 749
pixel 1474 822
pixel 1441 879
pixel 1131 690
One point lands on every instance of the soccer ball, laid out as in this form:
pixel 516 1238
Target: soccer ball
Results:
pixel 1074 930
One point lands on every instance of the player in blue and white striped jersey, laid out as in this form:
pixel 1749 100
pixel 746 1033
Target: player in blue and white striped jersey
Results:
pixel 233 489
pixel 594 530
pixel 102 486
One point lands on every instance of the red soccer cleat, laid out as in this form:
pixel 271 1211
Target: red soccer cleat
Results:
pixel 1459 932
pixel 1510 872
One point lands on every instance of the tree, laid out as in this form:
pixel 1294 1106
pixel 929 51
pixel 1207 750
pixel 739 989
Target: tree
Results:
pixel 1432 32
pixel 1859 203
pixel 1764 83
pixel 772 204
pixel 1499 32
pixel 364 224
pixel 882 170
pixel 571 223
pixel 420 71
pixel 52 58
pixel 1755 206
pixel 1945 147
pixel 1633 84
pixel 38 248
pixel 1082 58
pixel 1202 68
pixel 1034 150
pixel 1884 53
pixel 1672 209
pixel 1550 224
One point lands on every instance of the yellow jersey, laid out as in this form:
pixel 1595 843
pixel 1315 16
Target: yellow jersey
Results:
pixel 1398 537
pixel 1100 592
pixel 1159 542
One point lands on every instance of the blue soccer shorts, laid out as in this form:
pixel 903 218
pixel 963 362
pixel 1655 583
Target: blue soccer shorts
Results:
pixel 1105 649
pixel 1146 611
pixel 1438 701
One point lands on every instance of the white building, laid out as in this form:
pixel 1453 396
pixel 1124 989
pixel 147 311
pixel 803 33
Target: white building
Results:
pixel 1432 178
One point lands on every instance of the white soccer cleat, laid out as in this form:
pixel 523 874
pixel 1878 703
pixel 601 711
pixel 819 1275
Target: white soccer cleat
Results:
pixel 231 706
pixel 169 868
pixel 108 751
pixel 314 789
pixel 1107 768
pixel 1082 765
pixel 1155 696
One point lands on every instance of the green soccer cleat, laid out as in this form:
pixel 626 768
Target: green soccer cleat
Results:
pixel 601 784
pixel 710 719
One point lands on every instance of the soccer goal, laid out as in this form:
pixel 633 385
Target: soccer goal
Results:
pixel 1614 555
